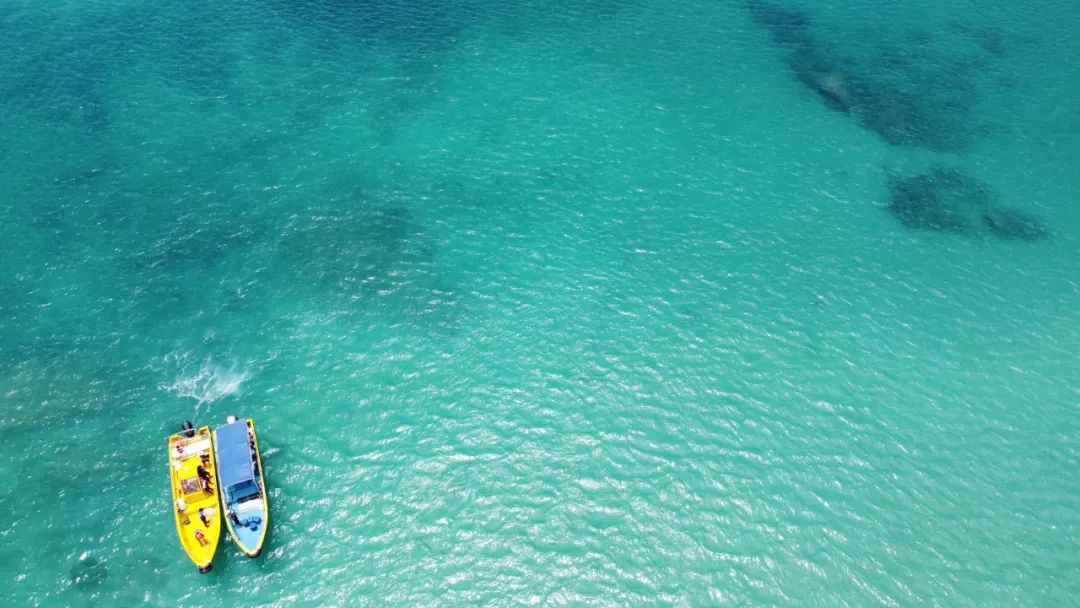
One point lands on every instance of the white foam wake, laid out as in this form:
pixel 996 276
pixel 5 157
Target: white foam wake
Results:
pixel 208 383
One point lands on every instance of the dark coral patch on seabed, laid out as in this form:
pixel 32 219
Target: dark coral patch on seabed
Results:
pixel 940 199
pixel 787 26
pixel 906 93
pixel 88 572
pixel 1014 225
pixel 947 200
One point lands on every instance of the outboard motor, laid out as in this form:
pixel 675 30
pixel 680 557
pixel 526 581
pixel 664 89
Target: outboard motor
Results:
pixel 230 419
pixel 188 429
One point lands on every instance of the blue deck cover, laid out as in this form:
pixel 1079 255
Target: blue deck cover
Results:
pixel 234 455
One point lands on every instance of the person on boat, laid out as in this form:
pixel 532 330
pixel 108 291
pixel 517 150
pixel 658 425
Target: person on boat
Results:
pixel 204 478
pixel 234 517
pixel 204 517
pixel 181 505
pixel 199 536
pixel 205 458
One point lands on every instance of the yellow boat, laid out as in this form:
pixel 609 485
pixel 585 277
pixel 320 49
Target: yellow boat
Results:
pixel 192 470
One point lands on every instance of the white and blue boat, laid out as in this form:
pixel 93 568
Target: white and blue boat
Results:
pixel 240 480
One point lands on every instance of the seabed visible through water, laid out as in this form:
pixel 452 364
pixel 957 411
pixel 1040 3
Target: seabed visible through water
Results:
pixel 603 303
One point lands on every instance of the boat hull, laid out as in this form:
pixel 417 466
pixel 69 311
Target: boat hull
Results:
pixel 247 519
pixel 195 505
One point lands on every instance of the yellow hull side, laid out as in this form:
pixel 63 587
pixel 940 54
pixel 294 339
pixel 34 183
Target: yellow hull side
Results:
pixel 185 456
pixel 254 551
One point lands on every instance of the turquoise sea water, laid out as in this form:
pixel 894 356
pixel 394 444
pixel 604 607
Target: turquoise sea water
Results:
pixel 596 303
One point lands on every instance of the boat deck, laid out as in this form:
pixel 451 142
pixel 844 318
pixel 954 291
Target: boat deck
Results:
pixel 185 456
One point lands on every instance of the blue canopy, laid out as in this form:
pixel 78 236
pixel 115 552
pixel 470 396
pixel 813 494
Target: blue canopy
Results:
pixel 234 455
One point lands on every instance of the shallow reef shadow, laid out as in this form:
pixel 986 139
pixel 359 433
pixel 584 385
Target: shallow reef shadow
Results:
pixel 785 25
pixel 907 93
pixel 940 199
pixel 417 27
pixel 947 200
pixel 1013 225
pixel 61 87
pixel 371 252
pixel 88 572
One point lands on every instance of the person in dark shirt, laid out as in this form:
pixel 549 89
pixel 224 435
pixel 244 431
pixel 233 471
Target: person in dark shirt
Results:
pixel 204 479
